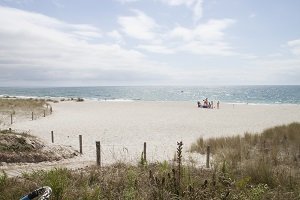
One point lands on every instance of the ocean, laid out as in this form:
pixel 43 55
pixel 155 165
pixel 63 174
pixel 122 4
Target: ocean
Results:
pixel 226 94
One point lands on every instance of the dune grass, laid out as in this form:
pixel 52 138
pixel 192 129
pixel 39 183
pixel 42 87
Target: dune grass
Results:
pixel 22 108
pixel 272 157
pixel 21 147
pixel 120 181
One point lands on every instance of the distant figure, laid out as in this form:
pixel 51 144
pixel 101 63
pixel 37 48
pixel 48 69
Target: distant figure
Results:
pixel 209 105
pixel 212 104
pixel 218 105
pixel 206 102
pixel 199 104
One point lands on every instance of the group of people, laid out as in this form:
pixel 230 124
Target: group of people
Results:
pixel 208 104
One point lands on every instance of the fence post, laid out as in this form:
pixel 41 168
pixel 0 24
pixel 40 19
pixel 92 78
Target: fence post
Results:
pixel 98 151
pixel 80 144
pixel 52 137
pixel 32 116
pixel 207 156
pixel 145 152
pixel 11 118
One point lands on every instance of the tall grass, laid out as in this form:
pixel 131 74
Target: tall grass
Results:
pixel 272 157
pixel 22 108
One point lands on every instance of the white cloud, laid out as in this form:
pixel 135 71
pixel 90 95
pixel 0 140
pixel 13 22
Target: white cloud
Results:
pixel 295 46
pixel 195 5
pixel 156 49
pixel 210 31
pixel 116 36
pixel 139 26
pixel 53 49
pixel 204 39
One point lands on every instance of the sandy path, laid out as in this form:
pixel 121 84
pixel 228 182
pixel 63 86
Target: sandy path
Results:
pixel 18 169
pixel 122 127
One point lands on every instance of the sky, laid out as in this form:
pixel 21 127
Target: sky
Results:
pixel 149 42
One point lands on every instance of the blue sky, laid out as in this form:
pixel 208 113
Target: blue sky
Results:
pixel 149 42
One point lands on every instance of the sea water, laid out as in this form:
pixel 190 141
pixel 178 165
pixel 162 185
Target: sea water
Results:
pixel 229 94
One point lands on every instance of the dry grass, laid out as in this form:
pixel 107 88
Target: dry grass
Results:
pixel 22 108
pixel 120 181
pixel 272 157
pixel 22 147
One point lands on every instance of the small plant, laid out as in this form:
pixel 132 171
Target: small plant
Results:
pixel 58 180
pixel 257 192
pixel 143 162
pixel 3 179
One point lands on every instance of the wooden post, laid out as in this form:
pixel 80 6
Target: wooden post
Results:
pixel 11 119
pixel 32 116
pixel 207 156
pixel 52 137
pixel 98 153
pixel 145 151
pixel 80 144
pixel 44 113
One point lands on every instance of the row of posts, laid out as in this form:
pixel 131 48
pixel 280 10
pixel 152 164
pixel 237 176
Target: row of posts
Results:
pixel 98 151
pixel 32 115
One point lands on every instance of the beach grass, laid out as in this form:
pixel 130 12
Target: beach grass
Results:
pixel 12 104
pixel 22 108
pixel 21 147
pixel 271 157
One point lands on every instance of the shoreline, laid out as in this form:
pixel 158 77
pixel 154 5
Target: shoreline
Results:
pixel 87 99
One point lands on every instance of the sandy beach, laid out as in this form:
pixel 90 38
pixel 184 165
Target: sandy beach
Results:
pixel 123 127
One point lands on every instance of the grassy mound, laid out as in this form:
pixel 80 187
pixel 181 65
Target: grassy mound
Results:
pixel 22 147
pixel 21 109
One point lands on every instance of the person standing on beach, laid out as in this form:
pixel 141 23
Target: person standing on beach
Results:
pixel 218 104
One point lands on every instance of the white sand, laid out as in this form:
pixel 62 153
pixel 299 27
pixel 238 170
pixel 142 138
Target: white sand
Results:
pixel 122 127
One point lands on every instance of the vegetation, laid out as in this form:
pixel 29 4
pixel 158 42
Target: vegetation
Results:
pixel 271 158
pixel 22 147
pixel 22 108
pixel 257 166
